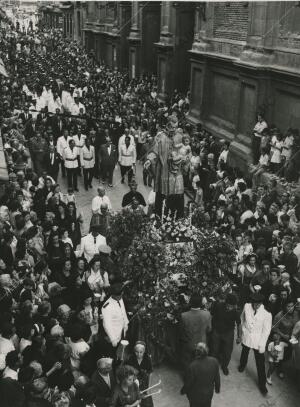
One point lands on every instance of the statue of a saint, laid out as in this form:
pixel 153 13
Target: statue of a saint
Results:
pixel 165 161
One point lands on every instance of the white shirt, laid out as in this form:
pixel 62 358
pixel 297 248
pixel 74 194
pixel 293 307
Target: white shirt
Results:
pixel 89 248
pixel 66 100
pixel 79 142
pixel 264 160
pixel 6 346
pixel 287 146
pixel 115 320
pixel 256 327
pixel 128 155
pixel 95 280
pixel 78 349
pixel 98 201
pixel 87 157
pixel 8 372
pixel 122 142
pixel 75 109
pixel 223 156
pixel 54 104
pixel 70 157
pixel 259 127
pixel 40 103
pixel 276 149
pixel 62 143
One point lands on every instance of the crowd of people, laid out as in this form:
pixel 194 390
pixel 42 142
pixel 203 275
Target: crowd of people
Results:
pixel 63 321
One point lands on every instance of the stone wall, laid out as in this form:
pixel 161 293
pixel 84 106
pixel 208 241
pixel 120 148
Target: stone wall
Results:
pixel 231 21
pixel 246 59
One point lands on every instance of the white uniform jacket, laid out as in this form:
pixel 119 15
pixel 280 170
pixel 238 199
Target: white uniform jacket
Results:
pixel 88 246
pixel 70 157
pixel 87 157
pixel 256 328
pixel 115 320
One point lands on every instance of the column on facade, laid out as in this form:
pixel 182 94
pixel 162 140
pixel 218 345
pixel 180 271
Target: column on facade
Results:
pixel 135 21
pixel 166 36
pixel 134 40
pixel 165 50
pixel 203 28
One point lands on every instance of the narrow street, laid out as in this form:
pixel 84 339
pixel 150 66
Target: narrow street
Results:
pixel 237 389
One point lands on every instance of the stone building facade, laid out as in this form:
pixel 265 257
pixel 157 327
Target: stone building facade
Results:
pixel 245 59
pixel 237 58
pixel 53 14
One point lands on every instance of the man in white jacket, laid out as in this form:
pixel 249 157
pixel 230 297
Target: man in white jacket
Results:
pixel 115 321
pixel 256 325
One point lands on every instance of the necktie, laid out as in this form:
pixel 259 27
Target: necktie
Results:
pixel 95 239
pixel 119 303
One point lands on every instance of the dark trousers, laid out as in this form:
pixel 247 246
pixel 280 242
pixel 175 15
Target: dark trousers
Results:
pixel 260 364
pixel 221 346
pixel 63 169
pixel 39 167
pixel 88 174
pixel 107 172
pixel 256 141
pixel 200 403
pixel 53 174
pixel 72 177
pixel 128 170
pixel 147 178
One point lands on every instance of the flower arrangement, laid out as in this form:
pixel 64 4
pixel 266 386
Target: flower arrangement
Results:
pixel 167 260
pixel 124 227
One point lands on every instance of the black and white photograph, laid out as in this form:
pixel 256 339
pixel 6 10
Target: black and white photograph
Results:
pixel 149 203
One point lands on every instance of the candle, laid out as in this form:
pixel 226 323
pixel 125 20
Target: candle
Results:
pixel 163 210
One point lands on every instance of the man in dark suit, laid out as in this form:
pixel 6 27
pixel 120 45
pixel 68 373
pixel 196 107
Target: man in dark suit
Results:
pixel 30 128
pixel 104 382
pixel 57 124
pixel 195 326
pixel 108 158
pixel 25 116
pixel 202 378
pixel 52 161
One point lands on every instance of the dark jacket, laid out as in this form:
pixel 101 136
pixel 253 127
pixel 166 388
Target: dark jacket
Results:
pixel 23 118
pixel 201 379
pixel 105 159
pixel 104 393
pixel 57 126
pixel 196 324
pixel 52 169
